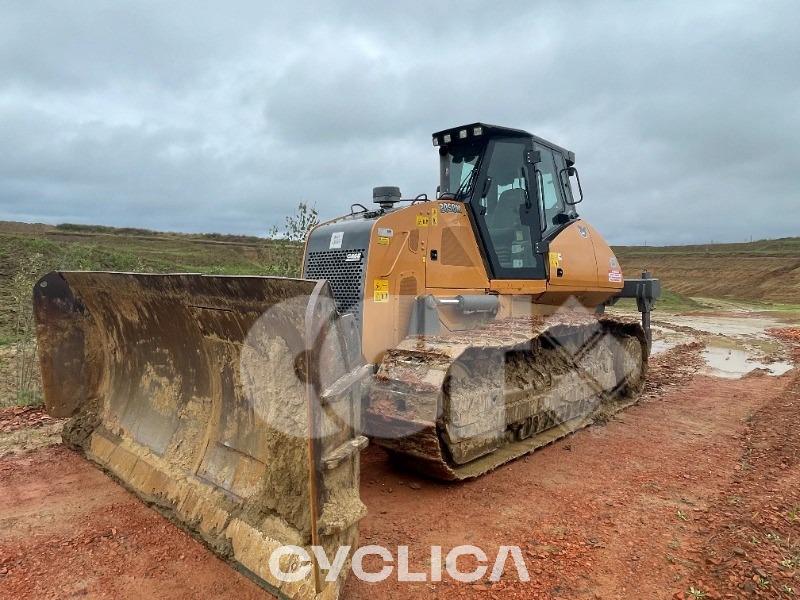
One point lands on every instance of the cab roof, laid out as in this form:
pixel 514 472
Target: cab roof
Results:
pixel 475 131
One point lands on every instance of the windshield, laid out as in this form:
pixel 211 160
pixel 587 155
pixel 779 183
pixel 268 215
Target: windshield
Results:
pixel 460 169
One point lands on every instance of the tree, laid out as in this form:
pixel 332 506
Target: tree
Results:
pixel 297 225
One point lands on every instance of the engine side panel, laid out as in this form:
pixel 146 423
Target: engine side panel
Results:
pixel 395 276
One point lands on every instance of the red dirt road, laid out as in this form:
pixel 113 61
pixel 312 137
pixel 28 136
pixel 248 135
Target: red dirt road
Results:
pixel 69 531
pixel 693 487
pixel 619 511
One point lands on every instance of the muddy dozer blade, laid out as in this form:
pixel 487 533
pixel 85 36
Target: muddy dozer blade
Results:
pixel 229 403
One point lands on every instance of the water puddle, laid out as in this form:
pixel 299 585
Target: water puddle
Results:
pixel 660 346
pixel 733 363
pixel 736 344
pixel 665 339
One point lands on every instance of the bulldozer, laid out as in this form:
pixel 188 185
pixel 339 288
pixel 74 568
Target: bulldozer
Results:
pixel 457 332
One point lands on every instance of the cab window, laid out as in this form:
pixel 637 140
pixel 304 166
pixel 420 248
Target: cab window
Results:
pixel 506 212
pixel 566 186
pixel 551 196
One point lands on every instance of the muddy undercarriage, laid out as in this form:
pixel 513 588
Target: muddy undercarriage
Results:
pixel 458 405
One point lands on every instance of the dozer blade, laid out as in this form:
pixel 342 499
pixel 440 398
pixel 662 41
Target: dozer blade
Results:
pixel 229 403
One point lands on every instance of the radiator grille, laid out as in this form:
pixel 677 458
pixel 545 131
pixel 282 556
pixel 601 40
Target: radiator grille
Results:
pixel 346 278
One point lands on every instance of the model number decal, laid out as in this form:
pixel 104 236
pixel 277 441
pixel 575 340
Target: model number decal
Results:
pixel 450 207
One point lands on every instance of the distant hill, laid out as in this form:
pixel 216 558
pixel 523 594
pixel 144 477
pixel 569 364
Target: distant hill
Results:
pixel 764 270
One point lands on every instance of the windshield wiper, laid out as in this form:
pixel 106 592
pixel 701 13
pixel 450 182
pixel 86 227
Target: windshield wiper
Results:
pixel 465 185
pixel 465 189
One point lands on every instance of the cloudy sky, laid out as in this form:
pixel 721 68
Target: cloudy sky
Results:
pixel 685 116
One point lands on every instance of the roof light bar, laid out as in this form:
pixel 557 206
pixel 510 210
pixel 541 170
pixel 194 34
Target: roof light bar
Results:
pixel 455 135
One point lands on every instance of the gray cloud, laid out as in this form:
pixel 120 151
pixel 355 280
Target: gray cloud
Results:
pixel 685 116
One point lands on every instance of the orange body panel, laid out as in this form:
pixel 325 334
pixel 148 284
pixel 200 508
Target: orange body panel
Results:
pixel 400 269
pixel 583 268
pixel 459 263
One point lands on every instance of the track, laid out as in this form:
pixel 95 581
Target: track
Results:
pixel 454 407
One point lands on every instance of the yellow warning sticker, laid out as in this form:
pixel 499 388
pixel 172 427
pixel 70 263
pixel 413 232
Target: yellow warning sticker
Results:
pixel 555 260
pixel 381 290
pixel 434 216
pixel 422 220
pixel 383 240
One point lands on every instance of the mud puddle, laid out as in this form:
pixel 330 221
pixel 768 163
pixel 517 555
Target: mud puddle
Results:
pixel 665 339
pixel 735 344
pixel 732 363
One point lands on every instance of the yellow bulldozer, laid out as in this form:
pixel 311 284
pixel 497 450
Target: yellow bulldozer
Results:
pixel 458 332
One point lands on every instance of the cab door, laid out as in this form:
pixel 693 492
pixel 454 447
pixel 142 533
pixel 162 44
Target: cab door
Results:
pixel 506 213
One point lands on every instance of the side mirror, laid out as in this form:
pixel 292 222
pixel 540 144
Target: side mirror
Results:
pixel 533 157
pixel 564 174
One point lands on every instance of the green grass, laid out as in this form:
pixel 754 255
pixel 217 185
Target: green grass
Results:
pixel 669 301
pixel 136 231
pixel 777 247
pixel 29 398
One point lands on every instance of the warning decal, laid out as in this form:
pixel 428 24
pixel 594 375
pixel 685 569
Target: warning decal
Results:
pixel 381 290
pixel 615 275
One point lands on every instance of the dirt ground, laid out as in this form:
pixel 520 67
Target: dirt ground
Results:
pixel 697 487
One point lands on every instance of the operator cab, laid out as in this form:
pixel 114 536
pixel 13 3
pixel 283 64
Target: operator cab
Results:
pixel 517 187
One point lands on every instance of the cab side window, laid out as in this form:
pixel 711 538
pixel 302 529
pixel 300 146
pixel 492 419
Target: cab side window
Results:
pixel 566 187
pixel 552 198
